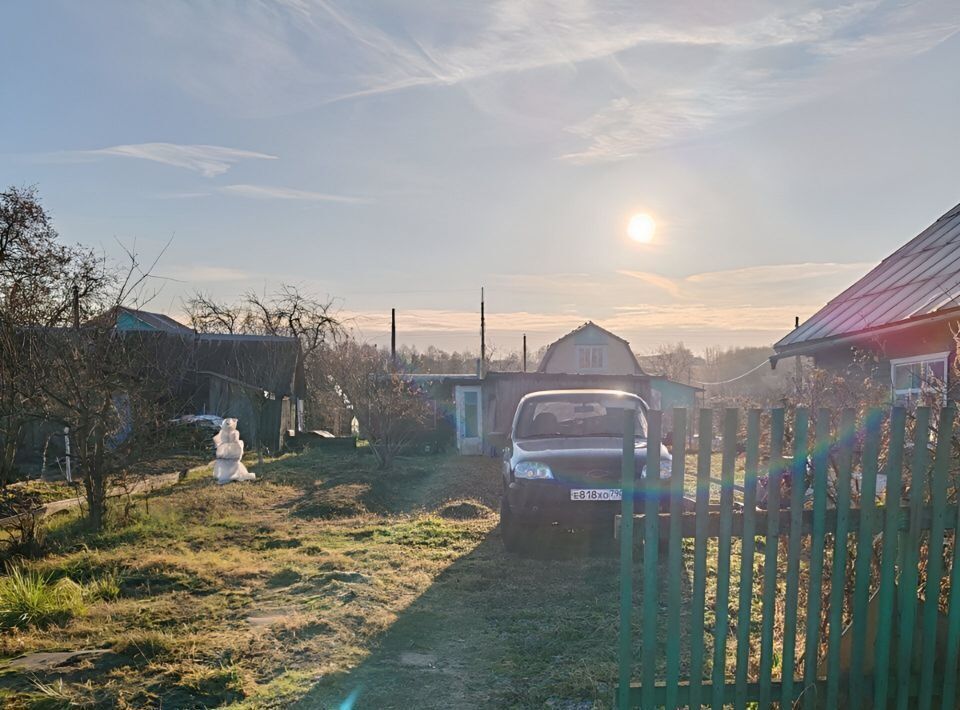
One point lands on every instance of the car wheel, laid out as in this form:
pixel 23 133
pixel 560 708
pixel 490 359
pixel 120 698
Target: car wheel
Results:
pixel 512 532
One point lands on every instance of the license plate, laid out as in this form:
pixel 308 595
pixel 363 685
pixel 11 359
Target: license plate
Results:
pixel 596 494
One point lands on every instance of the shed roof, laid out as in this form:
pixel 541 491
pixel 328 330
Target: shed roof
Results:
pixel 160 321
pixel 920 279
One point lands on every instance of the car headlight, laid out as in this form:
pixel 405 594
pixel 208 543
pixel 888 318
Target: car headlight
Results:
pixel 666 468
pixel 532 470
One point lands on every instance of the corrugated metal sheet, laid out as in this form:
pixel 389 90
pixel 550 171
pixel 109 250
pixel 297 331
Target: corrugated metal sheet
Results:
pixel 919 279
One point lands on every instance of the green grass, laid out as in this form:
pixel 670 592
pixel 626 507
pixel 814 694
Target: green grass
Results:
pixel 29 598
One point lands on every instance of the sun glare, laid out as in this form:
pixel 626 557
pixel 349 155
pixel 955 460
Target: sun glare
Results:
pixel 641 228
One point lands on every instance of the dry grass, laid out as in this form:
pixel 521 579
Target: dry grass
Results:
pixel 251 594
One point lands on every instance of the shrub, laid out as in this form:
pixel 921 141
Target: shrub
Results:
pixel 30 598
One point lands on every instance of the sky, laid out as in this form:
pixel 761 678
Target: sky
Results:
pixel 405 154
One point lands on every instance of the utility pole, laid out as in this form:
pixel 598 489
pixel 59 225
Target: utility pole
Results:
pixel 798 368
pixel 76 307
pixel 524 352
pixel 483 336
pixel 393 337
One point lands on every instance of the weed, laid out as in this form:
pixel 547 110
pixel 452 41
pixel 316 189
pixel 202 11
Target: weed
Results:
pixel 31 598
pixel 106 587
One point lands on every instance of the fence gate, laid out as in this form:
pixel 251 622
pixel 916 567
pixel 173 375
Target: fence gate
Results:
pixel 817 573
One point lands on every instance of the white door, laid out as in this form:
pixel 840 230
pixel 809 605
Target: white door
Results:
pixel 469 421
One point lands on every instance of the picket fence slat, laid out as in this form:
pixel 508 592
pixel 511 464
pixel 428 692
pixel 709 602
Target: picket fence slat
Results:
pixel 950 669
pixel 748 545
pixel 861 590
pixel 938 493
pixel 721 622
pixel 674 569
pixel 705 453
pixel 821 454
pixel 628 475
pixel 770 550
pixel 847 435
pixel 909 573
pixel 835 617
pixel 791 600
pixel 891 538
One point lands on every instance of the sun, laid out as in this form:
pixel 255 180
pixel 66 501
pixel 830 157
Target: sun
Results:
pixel 641 228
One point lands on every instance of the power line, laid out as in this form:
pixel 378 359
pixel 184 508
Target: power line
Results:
pixel 733 379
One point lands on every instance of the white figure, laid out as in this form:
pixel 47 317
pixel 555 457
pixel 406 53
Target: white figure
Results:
pixel 228 466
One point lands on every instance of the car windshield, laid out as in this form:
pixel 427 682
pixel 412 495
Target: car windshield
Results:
pixel 576 414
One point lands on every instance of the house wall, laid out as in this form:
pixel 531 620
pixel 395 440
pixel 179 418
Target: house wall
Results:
pixel 919 340
pixel 564 356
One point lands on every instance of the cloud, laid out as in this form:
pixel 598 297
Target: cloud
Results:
pixel 782 62
pixel 806 282
pixel 208 274
pixel 208 160
pixel 266 192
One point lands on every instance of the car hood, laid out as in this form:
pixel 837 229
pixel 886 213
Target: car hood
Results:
pixel 572 457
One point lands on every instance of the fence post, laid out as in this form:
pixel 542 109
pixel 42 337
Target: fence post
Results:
pixel 627 477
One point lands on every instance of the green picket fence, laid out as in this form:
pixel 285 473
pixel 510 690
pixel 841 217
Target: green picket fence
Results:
pixel 821 599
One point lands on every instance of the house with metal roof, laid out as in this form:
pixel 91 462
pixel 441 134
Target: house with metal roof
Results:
pixel 904 312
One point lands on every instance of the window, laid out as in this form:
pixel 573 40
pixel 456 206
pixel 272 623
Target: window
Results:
pixel 471 414
pixel 915 378
pixel 573 414
pixel 591 357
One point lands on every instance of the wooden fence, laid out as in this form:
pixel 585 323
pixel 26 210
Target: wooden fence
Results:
pixel 812 599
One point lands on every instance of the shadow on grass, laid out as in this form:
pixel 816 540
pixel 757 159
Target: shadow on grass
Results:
pixel 340 485
pixel 501 630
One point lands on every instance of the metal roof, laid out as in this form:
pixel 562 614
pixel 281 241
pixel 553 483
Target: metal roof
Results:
pixel 921 278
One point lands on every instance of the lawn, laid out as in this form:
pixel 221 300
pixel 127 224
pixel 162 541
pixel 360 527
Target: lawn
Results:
pixel 324 580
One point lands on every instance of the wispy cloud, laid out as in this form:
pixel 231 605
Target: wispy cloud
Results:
pixel 199 274
pixel 782 62
pixel 808 283
pixel 267 192
pixel 208 160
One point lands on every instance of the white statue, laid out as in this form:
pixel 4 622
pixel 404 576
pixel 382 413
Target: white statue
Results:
pixel 228 466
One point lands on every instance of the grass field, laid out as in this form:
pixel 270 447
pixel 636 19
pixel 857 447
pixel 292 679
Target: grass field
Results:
pixel 322 581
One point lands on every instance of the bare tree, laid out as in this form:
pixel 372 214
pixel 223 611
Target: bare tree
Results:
pixel 41 279
pixel 675 362
pixel 390 408
pixel 115 390
pixel 286 312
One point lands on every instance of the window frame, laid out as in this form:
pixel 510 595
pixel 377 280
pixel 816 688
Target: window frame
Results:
pixel 589 350
pixel 911 393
